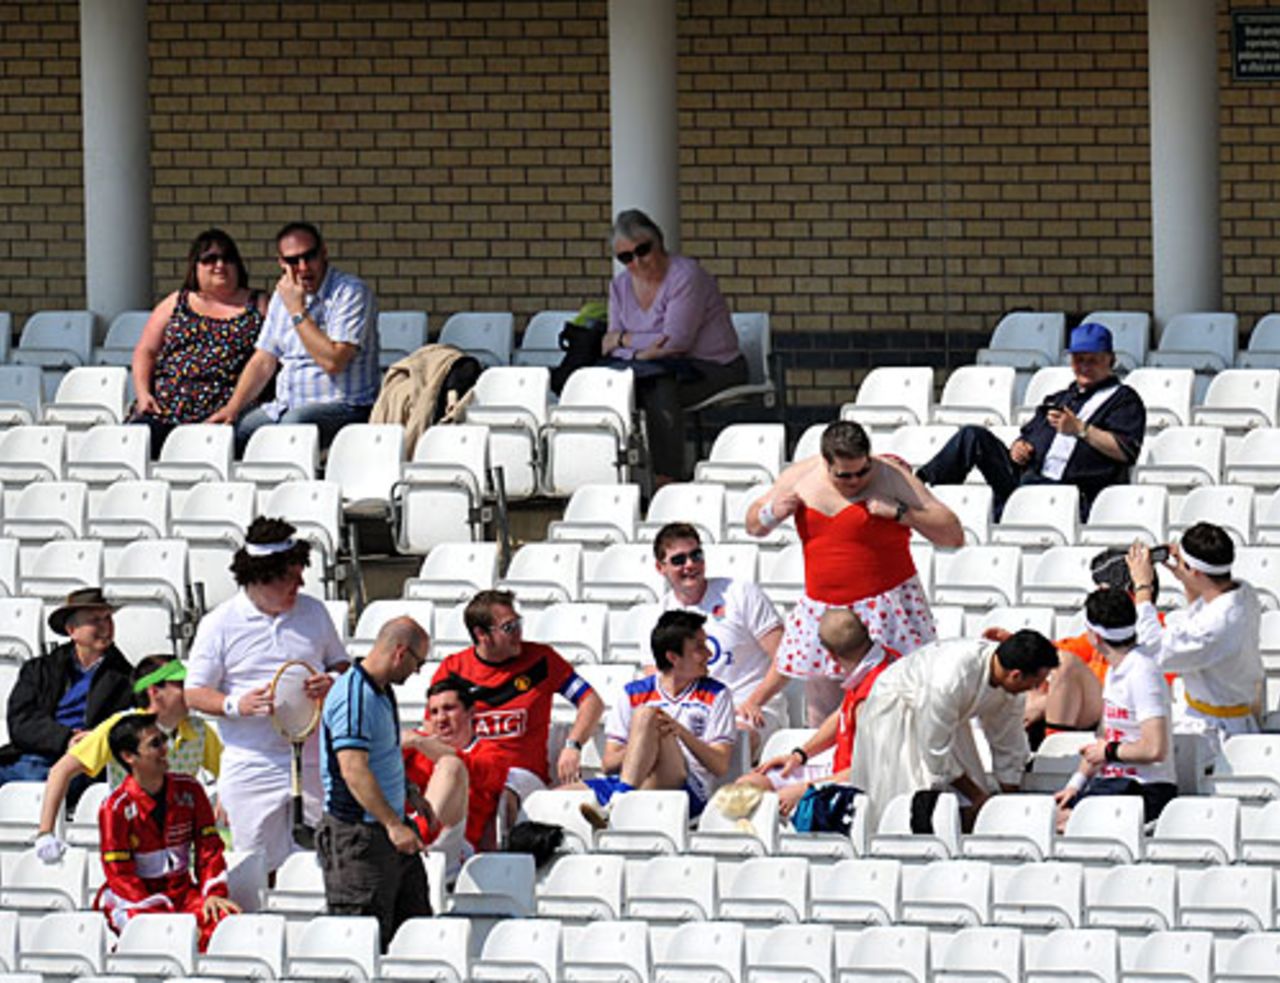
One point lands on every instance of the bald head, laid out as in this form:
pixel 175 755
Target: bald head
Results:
pixel 399 650
pixel 843 635
pixel 402 631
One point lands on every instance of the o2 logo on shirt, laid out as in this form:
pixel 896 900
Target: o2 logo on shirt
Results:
pixel 717 653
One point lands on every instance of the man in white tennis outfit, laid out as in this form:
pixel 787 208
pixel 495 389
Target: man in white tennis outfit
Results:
pixel 238 648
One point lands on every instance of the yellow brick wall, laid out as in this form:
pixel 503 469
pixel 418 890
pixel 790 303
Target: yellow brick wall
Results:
pixel 859 169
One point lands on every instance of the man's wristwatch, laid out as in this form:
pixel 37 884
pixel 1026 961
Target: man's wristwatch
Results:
pixel 573 745
pixel 298 318
pixel 900 511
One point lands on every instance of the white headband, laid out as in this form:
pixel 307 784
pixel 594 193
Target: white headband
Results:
pixel 1212 569
pixel 270 549
pixel 1121 634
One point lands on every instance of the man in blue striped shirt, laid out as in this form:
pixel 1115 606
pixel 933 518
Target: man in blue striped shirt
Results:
pixel 321 332
pixel 369 852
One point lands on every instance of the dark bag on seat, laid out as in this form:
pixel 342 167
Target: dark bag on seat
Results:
pixel 582 344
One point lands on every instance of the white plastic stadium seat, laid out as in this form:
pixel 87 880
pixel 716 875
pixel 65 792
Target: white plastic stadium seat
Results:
pixel 1239 898
pixel 711 952
pixel 342 947
pixel 195 452
pixel 56 341
pixel 152 572
pixel 1025 340
pixel 1134 897
pixel 520 949
pixel 701 505
pixel 608 950
pixel 1166 393
pixel 755 343
pixel 123 334
pixel 249 946
pixel 1122 513
pixel 583 887
pixel 1102 829
pixel 486 335
pixel 400 333
pixel 46 511
pixel 1197 830
pixel 378 613
pixel 794 952
pixel 952 893
pixel 429 949
pixel 755 835
pixel 589 433
pixel 977 394
pixel 1039 619
pixel 1060 578
pixel 625 575
pixel 27 454
pixel 495 885
pixel 60 567
pixel 545 573
pixel 1075 954
pixel 1185 956
pixel 770 890
pixel 1254 460
pixel 441 494
pixel 575 629
pixel 1013 827
pixel 972 506
pixel 21 395
pixel 892 397
pixel 89 395
pixel 1263 351
pixel 744 455
pixel 1039 516
pixel 893 837
pixel 155 945
pixel 32 885
pixel 365 461
pixel 981 952
pixel 646 822
pixel 1250 958
pixel 512 403
pixel 977 576
pixel 21 628
pixel 540 340
pixel 1181 458
pixel 859 892
pixel 886 952
pixel 283 452
pixel 66 944
pixel 1240 400
pixel 108 453
pixel 1205 342
pixel 452 572
pixel 598 516
pixel 561 807
pixel 1040 896
pixel 916 445
pixel 1228 506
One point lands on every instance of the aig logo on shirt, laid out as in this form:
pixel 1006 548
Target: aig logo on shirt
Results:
pixel 500 723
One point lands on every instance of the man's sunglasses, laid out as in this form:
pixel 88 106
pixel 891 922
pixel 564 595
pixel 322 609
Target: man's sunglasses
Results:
pixel 310 256
pixel 640 252
pixel 850 475
pixel 511 627
pixel 680 559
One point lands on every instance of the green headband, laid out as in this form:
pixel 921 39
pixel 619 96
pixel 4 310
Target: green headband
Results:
pixel 168 672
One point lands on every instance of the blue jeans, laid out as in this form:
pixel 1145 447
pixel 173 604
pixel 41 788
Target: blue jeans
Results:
pixel 28 768
pixel 329 417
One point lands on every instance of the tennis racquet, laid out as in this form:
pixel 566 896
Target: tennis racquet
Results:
pixel 295 715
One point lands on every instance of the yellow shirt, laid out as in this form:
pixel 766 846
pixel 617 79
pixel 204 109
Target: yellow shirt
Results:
pixel 194 745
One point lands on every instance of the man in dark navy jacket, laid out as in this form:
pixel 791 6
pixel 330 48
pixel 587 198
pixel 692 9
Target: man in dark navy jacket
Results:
pixel 1087 435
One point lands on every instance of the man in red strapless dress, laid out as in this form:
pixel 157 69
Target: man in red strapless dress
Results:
pixel 855 513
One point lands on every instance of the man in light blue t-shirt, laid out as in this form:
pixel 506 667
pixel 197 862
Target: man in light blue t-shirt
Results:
pixel 368 851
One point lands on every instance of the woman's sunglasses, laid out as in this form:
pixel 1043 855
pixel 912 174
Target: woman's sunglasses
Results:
pixel 640 252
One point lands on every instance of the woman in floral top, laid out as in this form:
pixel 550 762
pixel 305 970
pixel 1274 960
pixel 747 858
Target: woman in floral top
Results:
pixel 197 339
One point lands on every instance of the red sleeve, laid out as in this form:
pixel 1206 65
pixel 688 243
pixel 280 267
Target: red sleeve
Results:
pixel 443 670
pixel 559 671
pixel 417 767
pixel 211 863
pixel 117 854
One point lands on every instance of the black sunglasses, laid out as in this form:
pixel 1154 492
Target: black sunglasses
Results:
pixel 640 252
pixel 310 256
pixel 850 475
pixel 680 559
pixel 212 259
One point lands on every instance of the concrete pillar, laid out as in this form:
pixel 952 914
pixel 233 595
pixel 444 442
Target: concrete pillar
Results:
pixel 644 128
pixel 1182 40
pixel 117 148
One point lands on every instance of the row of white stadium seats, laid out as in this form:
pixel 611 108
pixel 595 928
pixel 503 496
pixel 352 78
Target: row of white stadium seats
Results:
pixel 726 951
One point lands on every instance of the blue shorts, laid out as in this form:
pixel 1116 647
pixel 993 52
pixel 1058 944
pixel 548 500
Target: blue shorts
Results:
pixel 607 786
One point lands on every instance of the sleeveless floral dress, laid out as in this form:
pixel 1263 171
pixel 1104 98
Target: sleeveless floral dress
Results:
pixel 200 360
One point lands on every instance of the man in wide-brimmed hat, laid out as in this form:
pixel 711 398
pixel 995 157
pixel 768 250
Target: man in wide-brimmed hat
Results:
pixel 60 696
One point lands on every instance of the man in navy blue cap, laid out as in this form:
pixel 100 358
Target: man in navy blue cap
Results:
pixel 1086 435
